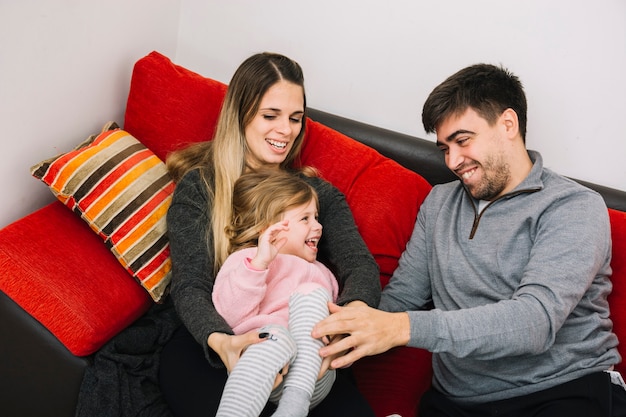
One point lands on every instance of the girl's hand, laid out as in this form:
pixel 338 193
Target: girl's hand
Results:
pixel 269 245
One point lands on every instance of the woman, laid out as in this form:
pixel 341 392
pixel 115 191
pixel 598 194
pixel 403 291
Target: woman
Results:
pixel 261 125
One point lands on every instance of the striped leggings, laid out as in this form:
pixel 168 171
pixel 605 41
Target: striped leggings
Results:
pixel 249 385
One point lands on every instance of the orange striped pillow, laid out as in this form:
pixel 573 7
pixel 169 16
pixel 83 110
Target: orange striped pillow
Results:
pixel 122 190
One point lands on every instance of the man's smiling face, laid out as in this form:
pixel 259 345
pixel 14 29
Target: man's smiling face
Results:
pixel 474 151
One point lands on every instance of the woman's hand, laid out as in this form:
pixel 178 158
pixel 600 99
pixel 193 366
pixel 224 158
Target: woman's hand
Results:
pixel 367 331
pixel 231 347
pixel 326 361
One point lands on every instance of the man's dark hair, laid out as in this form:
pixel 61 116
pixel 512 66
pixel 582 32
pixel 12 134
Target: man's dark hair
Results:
pixel 487 89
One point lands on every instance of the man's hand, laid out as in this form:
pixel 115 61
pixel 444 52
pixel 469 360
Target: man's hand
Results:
pixel 368 332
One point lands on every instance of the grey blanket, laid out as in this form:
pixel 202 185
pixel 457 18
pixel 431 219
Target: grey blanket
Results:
pixel 122 379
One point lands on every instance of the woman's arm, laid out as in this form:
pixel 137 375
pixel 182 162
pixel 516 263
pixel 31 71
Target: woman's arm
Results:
pixel 192 262
pixel 342 248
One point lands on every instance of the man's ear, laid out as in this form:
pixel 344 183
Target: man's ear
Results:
pixel 510 122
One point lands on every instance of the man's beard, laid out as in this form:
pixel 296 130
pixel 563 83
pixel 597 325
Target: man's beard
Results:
pixel 496 176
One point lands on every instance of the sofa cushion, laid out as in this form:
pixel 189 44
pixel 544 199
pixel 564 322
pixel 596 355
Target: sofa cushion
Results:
pixel 59 271
pixel 618 265
pixel 383 195
pixel 122 190
pixel 165 94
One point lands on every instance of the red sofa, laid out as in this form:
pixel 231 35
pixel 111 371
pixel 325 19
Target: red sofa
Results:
pixel 67 286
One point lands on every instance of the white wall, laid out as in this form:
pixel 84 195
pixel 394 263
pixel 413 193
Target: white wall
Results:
pixel 65 69
pixel 377 62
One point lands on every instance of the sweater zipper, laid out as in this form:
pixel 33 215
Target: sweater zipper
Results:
pixel 478 215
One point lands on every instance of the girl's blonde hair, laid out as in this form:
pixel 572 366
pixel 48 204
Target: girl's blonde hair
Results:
pixel 259 200
pixel 222 160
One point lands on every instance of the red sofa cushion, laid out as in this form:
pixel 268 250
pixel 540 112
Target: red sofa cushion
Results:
pixel 167 96
pixel 618 265
pixel 61 273
pixel 383 195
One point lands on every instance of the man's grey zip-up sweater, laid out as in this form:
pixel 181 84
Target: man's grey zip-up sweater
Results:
pixel 519 290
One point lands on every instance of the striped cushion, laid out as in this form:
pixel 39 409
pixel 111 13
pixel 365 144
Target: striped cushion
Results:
pixel 122 190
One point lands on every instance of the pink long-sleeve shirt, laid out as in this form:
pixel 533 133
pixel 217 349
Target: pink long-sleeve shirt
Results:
pixel 249 299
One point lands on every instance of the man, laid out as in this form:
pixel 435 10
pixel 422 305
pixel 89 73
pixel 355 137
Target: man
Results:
pixel 515 260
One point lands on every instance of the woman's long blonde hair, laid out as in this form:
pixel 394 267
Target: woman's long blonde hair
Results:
pixel 222 160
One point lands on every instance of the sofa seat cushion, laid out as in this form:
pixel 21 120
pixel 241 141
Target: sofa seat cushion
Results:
pixel 61 273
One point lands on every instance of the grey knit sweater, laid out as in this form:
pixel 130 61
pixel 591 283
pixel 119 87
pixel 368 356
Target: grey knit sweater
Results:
pixel 342 249
pixel 519 291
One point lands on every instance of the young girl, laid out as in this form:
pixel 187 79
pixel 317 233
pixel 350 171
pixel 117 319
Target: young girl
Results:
pixel 271 281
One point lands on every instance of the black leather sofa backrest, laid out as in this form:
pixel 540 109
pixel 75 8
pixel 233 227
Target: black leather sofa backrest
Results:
pixel 422 156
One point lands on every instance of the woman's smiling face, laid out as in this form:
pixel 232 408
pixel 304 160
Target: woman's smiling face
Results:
pixel 277 123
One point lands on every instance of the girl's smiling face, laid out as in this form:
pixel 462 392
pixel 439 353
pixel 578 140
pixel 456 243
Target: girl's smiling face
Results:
pixel 277 123
pixel 304 231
